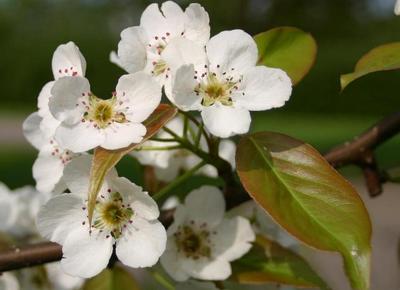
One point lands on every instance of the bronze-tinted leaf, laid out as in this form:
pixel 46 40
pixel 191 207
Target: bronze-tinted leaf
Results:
pixel 382 58
pixel 269 262
pixel 308 197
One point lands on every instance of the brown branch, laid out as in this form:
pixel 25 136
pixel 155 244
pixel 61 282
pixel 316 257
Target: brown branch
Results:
pixel 358 151
pixel 29 255
pixel 354 151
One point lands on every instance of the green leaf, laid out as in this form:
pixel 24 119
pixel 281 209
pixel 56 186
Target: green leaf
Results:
pixel 104 160
pixel 289 49
pixel 269 262
pixel 308 197
pixel 382 58
pixel 112 279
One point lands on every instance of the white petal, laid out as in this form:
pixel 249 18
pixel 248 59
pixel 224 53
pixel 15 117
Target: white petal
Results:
pixel 59 216
pixel 155 23
pixel 197 24
pixel 265 88
pixel 49 126
pixel 246 209
pixel 141 203
pixel 206 204
pixel 8 208
pixel 180 51
pixel 171 203
pixel 225 121
pixel 397 8
pixel 68 61
pixel 80 137
pixel 232 49
pixel 131 50
pixel 60 280
pixel 8 282
pixel 66 93
pixel 142 243
pixel 77 175
pixel 171 261
pixel 206 269
pixel 227 151
pixel 47 170
pixel 43 99
pixel 120 135
pixel 32 132
pixel 140 93
pixel 86 255
pixel 233 239
pixel 183 95
pixel 169 173
pixel 157 158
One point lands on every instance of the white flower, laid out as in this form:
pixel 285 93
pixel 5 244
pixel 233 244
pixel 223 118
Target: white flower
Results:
pixel 49 166
pixel 60 280
pixel 262 223
pixel 228 84
pixel 124 216
pixel 67 61
pixel 8 208
pixel 145 47
pixel 397 8
pixel 18 210
pixel 195 285
pixel 88 122
pixel 201 242
pixel 169 163
pixel 8 282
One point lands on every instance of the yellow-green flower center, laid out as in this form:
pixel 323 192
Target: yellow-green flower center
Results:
pixel 193 243
pixel 112 215
pixel 103 113
pixel 159 67
pixel 212 90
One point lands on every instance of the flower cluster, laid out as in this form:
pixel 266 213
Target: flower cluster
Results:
pixel 18 210
pixel 170 52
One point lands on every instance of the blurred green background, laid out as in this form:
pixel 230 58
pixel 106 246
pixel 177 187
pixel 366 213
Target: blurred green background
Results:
pixel 318 113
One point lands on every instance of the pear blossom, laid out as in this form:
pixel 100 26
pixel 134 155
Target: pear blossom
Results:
pixel 8 282
pixel 397 7
pixel 228 84
pixel 49 166
pixel 125 217
pixel 201 241
pixel 263 224
pixel 169 163
pixel 39 128
pixel 18 209
pixel 67 61
pixel 145 47
pixel 87 121
pixel 61 280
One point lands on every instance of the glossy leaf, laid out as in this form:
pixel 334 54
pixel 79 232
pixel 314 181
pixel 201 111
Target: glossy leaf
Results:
pixel 308 197
pixel 116 278
pixel 269 262
pixel 289 49
pixel 382 58
pixel 104 160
